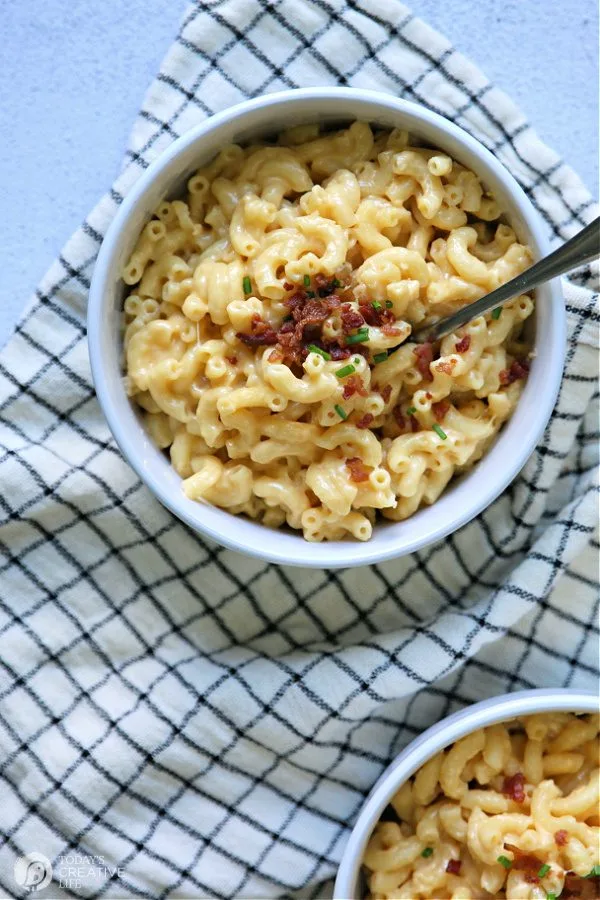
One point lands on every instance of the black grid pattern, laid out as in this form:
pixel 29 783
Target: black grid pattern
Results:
pixel 209 723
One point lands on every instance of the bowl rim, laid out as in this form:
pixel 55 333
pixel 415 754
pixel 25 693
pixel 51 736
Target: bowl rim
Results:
pixel 329 554
pixel 418 751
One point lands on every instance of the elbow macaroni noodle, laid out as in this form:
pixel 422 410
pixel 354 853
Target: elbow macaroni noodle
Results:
pixel 510 811
pixel 348 227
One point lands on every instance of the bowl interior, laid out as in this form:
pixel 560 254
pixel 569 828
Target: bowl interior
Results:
pixel 166 178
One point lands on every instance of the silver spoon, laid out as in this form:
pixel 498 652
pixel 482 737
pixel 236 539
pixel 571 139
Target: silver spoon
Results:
pixel 577 251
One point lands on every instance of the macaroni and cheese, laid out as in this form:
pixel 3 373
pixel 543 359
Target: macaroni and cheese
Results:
pixel 510 811
pixel 267 330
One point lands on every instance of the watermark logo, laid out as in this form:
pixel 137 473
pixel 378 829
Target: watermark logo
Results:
pixel 33 871
pixel 73 871
pixel 77 870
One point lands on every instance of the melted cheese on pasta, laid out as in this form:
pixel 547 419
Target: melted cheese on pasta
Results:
pixel 510 811
pixel 404 235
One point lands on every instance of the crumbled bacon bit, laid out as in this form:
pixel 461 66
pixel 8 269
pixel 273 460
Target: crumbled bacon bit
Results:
pixel 312 313
pixel 561 837
pixel 296 301
pixel 376 317
pixel 514 787
pixel 231 359
pixel 446 366
pixel 524 862
pixel 440 409
pixel 324 284
pixel 338 352
pixel 309 315
pixel 399 417
pixel 361 350
pixel 358 472
pixel 354 385
pixel 576 886
pixel 290 346
pixel 402 422
pixel 304 324
pixel 464 344
pixel 391 331
pixel 276 355
pixel 424 354
pixel 519 368
pixel 259 339
pixel 351 318
pixel 529 865
pixel 386 392
pixel 429 396
pixel 365 421
pixel 453 867
pixel 262 334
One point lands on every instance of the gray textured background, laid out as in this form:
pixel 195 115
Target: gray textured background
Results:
pixel 73 74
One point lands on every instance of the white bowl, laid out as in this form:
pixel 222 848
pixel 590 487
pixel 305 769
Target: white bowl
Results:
pixel 167 177
pixel 350 882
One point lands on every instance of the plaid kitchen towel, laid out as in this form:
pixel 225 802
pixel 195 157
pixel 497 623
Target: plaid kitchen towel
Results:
pixel 178 720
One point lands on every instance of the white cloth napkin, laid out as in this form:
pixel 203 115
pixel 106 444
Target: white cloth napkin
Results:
pixel 205 722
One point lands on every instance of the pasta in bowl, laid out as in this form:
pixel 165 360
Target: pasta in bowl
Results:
pixel 267 331
pixel 196 361
pixel 508 810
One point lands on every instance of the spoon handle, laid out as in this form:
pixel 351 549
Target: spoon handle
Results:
pixel 577 251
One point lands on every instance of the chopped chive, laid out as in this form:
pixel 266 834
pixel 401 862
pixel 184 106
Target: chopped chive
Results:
pixel 312 348
pixel 439 431
pixel 311 294
pixel 427 852
pixel 336 282
pixel 593 873
pixel 361 337
pixel 551 896
pixel 504 861
pixel 411 410
pixel 307 281
pixel 388 304
pixel 341 412
pixel 247 284
pixel 544 870
pixel 496 312
pixel 288 318
pixel 380 357
pixel 356 360
pixel 376 304
pixel 345 370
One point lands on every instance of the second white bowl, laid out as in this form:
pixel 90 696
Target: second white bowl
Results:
pixel 350 884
